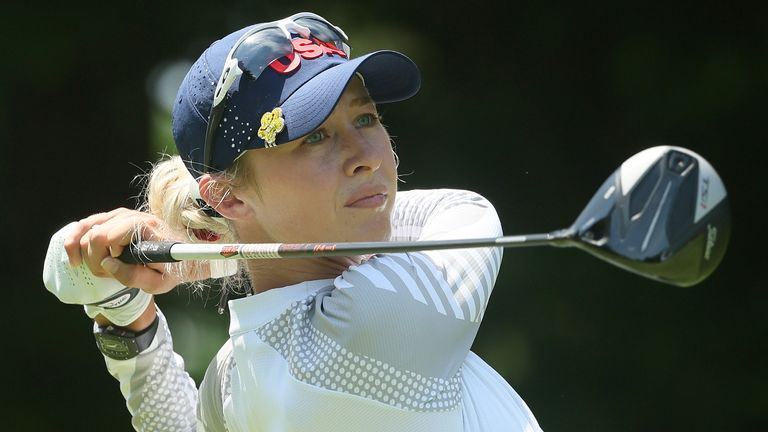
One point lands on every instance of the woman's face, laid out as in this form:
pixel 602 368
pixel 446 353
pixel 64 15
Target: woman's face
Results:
pixel 336 184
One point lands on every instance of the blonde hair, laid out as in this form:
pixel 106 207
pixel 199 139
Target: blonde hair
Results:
pixel 168 194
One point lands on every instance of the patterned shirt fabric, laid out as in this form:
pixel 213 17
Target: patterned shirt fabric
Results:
pixel 385 346
pixel 159 393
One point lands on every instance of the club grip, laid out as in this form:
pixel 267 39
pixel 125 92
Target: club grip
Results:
pixel 148 252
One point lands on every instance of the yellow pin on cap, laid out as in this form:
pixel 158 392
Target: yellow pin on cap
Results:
pixel 272 123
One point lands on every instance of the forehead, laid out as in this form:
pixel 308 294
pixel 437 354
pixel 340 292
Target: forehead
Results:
pixel 356 94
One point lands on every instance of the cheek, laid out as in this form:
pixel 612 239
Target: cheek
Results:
pixel 379 138
pixel 389 164
pixel 299 197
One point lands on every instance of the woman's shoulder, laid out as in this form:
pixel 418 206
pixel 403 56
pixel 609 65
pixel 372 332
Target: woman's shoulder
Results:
pixel 455 213
pixel 439 200
pixel 440 194
pixel 215 388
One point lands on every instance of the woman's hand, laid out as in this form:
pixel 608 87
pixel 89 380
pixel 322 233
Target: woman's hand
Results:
pixel 99 239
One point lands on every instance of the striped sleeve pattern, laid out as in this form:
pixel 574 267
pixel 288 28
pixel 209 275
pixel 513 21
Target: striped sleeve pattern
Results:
pixel 465 276
pixel 419 311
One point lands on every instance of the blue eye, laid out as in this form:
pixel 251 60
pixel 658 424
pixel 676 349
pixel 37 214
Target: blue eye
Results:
pixel 366 120
pixel 315 137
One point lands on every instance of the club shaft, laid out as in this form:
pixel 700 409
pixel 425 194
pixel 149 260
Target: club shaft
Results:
pixel 170 252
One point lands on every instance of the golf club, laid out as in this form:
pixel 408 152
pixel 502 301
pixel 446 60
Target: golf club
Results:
pixel 663 214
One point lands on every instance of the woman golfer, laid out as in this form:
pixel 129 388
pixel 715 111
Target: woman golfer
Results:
pixel 280 141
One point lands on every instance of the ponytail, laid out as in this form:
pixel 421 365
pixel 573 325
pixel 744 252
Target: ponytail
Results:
pixel 171 194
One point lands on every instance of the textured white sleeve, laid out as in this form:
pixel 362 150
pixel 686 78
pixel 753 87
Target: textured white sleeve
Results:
pixel 450 214
pixel 214 390
pixel 441 214
pixel 159 393
pixel 419 311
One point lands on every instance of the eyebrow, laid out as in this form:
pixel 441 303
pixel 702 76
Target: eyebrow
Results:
pixel 361 100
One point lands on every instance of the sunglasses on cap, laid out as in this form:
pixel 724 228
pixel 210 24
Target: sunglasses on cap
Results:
pixel 256 50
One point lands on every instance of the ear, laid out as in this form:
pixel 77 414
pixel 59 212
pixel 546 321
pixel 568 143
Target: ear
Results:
pixel 218 194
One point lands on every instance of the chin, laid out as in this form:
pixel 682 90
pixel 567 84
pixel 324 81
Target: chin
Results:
pixel 383 232
pixel 371 229
pixel 373 233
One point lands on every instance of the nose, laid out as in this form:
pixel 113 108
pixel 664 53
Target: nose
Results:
pixel 364 152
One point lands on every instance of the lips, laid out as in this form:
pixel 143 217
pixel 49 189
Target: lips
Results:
pixel 368 197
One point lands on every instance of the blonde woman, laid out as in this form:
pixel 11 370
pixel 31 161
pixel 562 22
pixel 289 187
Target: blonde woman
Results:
pixel 280 141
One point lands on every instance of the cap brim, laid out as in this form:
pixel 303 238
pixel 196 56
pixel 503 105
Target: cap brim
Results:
pixel 389 77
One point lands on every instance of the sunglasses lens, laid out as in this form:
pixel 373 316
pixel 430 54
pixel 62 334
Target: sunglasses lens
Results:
pixel 260 49
pixel 254 54
pixel 321 30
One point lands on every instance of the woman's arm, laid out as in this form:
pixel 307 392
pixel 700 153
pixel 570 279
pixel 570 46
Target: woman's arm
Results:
pixel 419 311
pixel 159 393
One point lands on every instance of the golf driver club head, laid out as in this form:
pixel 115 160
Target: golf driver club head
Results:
pixel 663 214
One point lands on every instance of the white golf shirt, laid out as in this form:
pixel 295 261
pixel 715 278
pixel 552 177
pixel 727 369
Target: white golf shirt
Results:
pixel 385 346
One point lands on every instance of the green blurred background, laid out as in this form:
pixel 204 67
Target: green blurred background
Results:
pixel 531 104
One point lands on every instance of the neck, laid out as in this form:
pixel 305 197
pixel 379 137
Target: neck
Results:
pixel 276 273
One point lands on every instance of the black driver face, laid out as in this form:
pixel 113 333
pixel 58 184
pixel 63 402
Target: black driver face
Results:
pixel 664 214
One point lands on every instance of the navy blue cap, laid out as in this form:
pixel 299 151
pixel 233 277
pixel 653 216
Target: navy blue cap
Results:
pixel 306 96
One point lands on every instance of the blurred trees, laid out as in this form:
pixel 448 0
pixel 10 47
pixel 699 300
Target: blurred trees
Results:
pixel 533 108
